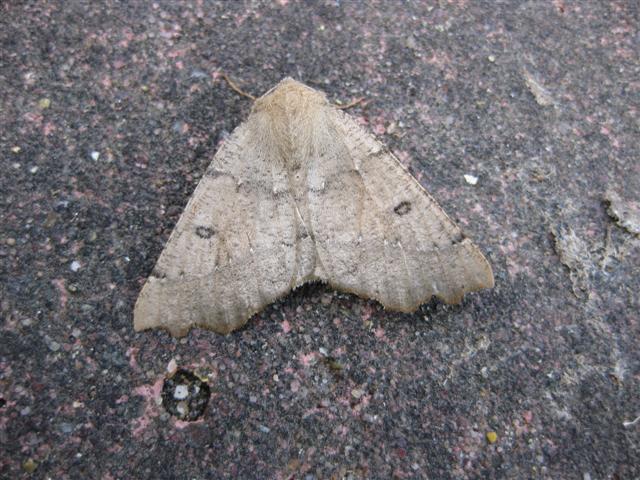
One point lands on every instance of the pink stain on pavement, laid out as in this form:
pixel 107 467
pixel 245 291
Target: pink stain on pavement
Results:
pixel 181 424
pixel 48 128
pixel 151 394
pixel 367 311
pixel 131 353
pixel 59 284
pixel 286 326
pixel 307 359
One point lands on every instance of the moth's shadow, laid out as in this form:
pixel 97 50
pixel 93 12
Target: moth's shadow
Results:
pixel 305 293
pixel 435 312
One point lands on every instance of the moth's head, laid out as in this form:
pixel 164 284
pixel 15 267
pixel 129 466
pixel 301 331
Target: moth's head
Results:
pixel 289 94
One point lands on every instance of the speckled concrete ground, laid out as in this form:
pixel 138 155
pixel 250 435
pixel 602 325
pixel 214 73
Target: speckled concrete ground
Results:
pixel 110 114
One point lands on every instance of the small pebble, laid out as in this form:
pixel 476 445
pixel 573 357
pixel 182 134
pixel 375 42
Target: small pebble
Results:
pixel 179 126
pixel 66 427
pixel 172 366
pixel 491 58
pixel 75 266
pixel 470 179
pixel 10 241
pixel 44 103
pixel 370 418
pixel 492 437
pixel 33 169
pixel 264 429
pixel 392 128
pixel 357 393
pixel 54 346
pixel 197 73
pixel 411 43
pixel 30 465
pixel 95 155
pixel 181 392
pixel 182 408
pixel 16 149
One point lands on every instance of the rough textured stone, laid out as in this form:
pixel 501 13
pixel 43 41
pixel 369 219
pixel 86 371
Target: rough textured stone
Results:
pixel 538 100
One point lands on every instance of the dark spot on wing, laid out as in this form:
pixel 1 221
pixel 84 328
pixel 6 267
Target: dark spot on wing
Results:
pixel 384 150
pixel 402 208
pixel 205 232
pixel 157 273
pixel 459 237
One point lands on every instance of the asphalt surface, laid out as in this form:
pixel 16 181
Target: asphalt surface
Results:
pixel 111 112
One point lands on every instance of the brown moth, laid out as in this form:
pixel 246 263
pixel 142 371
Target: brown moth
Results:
pixel 300 192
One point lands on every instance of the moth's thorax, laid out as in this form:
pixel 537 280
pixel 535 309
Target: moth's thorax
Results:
pixel 290 95
pixel 290 111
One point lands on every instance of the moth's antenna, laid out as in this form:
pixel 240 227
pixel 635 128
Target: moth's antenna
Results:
pixel 239 91
pixel 236 88
pixel 352 103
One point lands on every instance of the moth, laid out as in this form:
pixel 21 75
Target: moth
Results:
pixel 298 193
